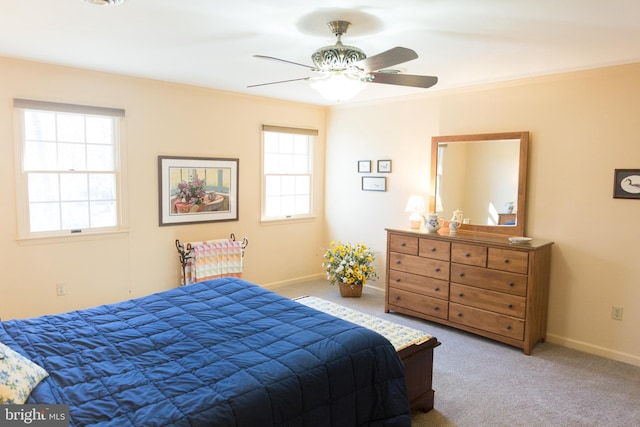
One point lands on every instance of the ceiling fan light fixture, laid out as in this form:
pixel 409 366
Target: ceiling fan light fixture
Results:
pixel 338 86
pixel 105 2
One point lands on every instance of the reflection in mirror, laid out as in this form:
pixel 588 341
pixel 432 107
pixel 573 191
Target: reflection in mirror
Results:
pixel 484 176
pixel 481 181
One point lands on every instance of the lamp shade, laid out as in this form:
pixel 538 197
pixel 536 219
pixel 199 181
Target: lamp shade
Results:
pixel 415 205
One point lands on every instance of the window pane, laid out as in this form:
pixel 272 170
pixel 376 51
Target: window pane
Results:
pixel 288 205
pixel 302 205
pixel 301 144
pixel 272 207
pixel 300 164
pixel 288 185
pixel 102 187
pixel 74 187
pixel 75 215
pixel 285 163
pixel 71 127
pixel 40 125
pixel 303 185
pixel 103 214
pixel 40 156
pixel 286 143
pixel 270 142
pixel 72 157
pixel 99 130
pixel 44 216
pixel 100 158
pixel 43 187
pixel 272 185
pixel 271 163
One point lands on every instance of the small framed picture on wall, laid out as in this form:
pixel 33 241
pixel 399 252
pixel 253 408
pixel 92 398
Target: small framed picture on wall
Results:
pixel 626 184
pixel 374 183
pixel 384 166
pixel 364 166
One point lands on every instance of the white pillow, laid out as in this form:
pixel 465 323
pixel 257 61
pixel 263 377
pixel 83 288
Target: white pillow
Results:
pixel 18 376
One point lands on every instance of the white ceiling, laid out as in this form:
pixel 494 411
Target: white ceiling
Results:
pixel 211 43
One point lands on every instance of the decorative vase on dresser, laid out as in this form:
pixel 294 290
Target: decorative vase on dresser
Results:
pixel 477 282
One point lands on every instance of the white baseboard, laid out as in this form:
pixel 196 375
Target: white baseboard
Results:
pixel 594 349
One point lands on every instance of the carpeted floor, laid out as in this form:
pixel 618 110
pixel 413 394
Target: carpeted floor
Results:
pixel 479 382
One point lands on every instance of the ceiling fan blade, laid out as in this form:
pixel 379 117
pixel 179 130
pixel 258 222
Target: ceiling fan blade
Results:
pixel 404 80
pixel 386 59
pixel 271 58
pixel 281 81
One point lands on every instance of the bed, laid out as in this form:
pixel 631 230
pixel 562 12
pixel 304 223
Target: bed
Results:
pixel 223 353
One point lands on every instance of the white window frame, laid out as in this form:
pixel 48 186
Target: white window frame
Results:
pixel 312 133
pixel 22 198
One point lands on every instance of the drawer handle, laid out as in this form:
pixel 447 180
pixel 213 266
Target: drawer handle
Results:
pixel 459 314
pixel 433 249
pixel 398 280
pixel 467 254
pixel 398 262
pixel 461 274
pixel 460 294
pixel 437 289
pixel 403 244
pixel 436 308
pixel 506 260
pixel 511 284
pixel 397 298
pixel 509 328
pixel 437 269
pixel 510 306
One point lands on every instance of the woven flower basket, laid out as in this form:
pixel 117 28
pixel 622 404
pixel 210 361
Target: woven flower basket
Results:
pixel 352 290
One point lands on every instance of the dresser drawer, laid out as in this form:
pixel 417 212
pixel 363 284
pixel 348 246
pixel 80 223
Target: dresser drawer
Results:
pixel 419 303
pixel 419 284
pixel 403 244
pixel 508 260
pixel 493 280
pixel 469 254
pixel 499 302
pixel 485 320
pixel 435 249
pixel 419 265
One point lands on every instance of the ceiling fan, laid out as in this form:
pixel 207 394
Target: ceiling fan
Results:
pixel 345 70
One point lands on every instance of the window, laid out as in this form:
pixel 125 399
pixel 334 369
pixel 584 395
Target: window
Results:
pixel 69 173
pixel 287 168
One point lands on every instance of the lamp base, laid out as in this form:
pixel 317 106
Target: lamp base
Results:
pixel 415 223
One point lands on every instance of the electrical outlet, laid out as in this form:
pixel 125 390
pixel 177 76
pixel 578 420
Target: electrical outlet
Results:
pixel 61 289
pixel 616 313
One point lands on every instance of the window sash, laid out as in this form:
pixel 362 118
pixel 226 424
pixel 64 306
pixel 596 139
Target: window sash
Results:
pixel 287 174
pixel 98 206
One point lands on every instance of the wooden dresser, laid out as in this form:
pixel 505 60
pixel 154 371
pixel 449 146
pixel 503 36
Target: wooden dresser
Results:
pixel 477 282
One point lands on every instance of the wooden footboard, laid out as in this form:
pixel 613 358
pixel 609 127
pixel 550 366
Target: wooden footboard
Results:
pixel 417 358
pixel 418 365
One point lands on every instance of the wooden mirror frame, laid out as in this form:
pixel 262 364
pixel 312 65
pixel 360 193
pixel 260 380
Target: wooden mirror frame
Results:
pixel 519 228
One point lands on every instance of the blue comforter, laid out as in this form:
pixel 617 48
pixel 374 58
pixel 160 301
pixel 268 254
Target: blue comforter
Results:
pixel 218 353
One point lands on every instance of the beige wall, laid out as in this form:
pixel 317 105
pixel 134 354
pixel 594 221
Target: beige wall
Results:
pixel 583 126
pixel 161 119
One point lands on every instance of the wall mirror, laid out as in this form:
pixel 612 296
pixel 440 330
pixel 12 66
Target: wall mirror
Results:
pixel 484 176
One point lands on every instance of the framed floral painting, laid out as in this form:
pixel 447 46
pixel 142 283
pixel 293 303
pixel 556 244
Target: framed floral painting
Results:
pixel 197 189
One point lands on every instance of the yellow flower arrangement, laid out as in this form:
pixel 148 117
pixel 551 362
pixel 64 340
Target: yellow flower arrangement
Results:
pixel 349 263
